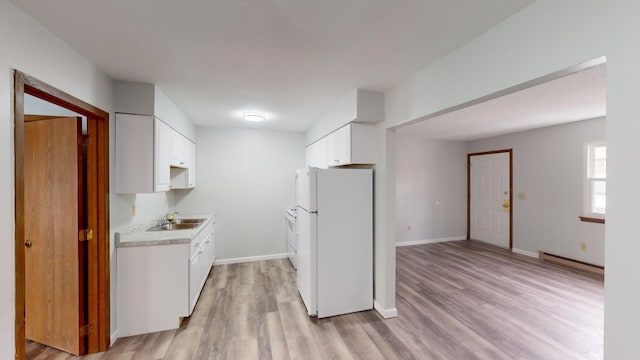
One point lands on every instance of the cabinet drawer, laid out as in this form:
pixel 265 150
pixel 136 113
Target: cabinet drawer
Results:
pixel 195 245
pixel 199 240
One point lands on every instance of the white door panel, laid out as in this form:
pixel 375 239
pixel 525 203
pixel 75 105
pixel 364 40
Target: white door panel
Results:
pixel 490 192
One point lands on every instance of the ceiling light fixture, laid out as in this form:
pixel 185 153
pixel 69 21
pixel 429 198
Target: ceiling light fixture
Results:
pixel 253 116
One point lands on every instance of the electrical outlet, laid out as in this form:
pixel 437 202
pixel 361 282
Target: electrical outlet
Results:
pixel 583 246
pixel 133 210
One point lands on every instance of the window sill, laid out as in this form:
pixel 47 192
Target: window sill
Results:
pixel 591 219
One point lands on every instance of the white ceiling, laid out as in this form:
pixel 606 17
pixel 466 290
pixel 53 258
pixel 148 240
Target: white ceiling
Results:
pixel 291 59
pixel 579 96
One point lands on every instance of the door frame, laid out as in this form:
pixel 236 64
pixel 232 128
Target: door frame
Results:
pixel 98 300
pixel 510 152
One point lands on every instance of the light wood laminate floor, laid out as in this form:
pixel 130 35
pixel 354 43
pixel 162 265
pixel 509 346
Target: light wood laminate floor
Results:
pixel 456 300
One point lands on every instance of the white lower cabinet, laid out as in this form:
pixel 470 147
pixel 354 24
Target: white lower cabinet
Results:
pixel 157 285
pixel 200 264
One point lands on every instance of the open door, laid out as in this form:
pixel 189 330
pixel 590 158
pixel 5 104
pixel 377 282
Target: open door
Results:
pixel 55 300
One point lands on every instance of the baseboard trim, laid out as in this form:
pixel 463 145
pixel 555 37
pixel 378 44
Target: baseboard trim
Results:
pixel 114 337
pixel 250 259
pixel 386 313
pixel 525 253
pixel 430 241
pixel 576 264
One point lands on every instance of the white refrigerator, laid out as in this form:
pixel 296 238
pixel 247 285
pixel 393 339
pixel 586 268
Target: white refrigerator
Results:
pixel 335 240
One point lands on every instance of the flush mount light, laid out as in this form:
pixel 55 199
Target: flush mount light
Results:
pixel 253 116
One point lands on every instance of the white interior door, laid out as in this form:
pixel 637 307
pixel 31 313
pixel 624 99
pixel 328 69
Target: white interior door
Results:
pixel 490 205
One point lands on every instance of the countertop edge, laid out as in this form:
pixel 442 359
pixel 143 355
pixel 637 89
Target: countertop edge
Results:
pixel 140 237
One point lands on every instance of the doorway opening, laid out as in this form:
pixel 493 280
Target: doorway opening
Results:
pixel 547 123
pixel 61 215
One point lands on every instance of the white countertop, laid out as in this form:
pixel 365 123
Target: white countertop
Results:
pixel 137 235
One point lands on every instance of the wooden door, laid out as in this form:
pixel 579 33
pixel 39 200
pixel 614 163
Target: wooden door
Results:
pixel 490 198
pixel 54 301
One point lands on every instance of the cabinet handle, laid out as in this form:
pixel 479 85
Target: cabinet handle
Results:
pixel 196 244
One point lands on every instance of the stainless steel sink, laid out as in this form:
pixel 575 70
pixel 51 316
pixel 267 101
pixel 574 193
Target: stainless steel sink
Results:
pixel 187 221
pixel 174 226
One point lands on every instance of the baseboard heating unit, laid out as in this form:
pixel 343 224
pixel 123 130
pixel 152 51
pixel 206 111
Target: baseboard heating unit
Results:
pixel 579 265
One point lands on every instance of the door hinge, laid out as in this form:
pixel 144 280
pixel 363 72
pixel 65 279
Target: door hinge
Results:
pixel 85 330
pixel 85 234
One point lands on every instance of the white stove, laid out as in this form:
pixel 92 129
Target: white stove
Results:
pixel 292 235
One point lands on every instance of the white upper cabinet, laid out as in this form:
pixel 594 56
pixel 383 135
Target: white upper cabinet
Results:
pixel 180 156
pixel 151 155
pixel 352 144
pixel 183 163
pixel 162 160
pixel 191 174
pixel 339 146
pixel 143 154
pixel 316 154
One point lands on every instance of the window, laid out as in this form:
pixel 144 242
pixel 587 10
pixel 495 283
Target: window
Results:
pixel 596 186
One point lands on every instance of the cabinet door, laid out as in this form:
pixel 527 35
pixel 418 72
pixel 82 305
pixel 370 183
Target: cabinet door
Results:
pixel 332 148
pixel 343 145
pixel 195 267
pixel 191 170
pixel 135 159
pixel 211 248
pixel 162 156
pixel 308 156
pixel 316 154
pixel 339 146
pixel 180 150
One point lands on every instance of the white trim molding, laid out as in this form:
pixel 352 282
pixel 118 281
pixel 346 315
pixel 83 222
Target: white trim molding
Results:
pixel 386 313
pixel 431 241
pixel 114 337
pixel 250 259
pixel 525 252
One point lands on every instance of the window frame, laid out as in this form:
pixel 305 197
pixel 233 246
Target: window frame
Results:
pixel 590 179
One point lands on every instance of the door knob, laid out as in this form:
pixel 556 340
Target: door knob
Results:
pixel 506 205
pixel 28 243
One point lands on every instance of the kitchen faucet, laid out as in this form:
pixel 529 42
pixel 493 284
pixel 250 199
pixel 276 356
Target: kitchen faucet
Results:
pixel 168 218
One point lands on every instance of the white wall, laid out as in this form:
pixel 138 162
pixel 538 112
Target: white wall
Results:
pixel 431 189
pixel 170 113
pixel 149 99
pixel 545 37
pixel 548 167
pixel 246 177
pixel 27 46
pixel 357 105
